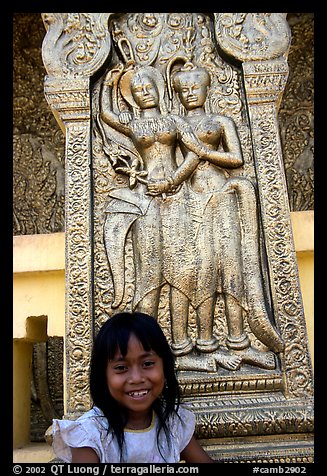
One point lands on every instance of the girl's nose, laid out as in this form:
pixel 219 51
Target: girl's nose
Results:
pixel 136 375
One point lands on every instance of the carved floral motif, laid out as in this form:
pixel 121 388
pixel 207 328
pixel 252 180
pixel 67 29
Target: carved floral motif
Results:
pixel 253 36
pixel 281 253
pixel 78 269
pixel 296 116
pixel 75 43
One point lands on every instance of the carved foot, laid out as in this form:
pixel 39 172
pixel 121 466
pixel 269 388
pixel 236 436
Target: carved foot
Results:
pixel 258 358
pixel 182 347
pixel 195 362
pixel 227 360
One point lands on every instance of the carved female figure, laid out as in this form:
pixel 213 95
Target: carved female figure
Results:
pixel 226 242
pixel 154 216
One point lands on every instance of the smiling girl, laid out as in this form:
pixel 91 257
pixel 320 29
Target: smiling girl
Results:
pixel 136 415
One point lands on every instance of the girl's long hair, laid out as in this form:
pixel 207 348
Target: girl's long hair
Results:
pixel 114 335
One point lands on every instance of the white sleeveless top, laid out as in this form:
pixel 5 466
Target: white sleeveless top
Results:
pixel 90 430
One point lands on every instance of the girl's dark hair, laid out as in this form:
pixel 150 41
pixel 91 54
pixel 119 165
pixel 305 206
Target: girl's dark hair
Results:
pixel 114 335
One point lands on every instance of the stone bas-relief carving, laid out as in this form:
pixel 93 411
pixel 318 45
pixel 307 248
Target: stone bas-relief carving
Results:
pixel 185 214
pixel 193 226
pixel 196 260
pixel 296 116
pixel 295 119
pixel 38 143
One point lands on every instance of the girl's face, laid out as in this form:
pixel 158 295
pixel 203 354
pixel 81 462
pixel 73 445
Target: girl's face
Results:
pixel 136 380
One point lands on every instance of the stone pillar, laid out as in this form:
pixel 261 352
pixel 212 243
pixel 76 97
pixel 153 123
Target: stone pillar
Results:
pixel 75 46
pixel 261 42
pixel 264 84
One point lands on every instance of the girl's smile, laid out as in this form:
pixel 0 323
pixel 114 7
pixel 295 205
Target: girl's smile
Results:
pixel 138 393
pixel 135 381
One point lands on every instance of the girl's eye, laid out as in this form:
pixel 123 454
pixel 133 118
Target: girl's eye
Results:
pixel 120 368
pixel 148 363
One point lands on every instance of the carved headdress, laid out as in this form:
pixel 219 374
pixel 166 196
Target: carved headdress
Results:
pixel 151 73
pixel 201 73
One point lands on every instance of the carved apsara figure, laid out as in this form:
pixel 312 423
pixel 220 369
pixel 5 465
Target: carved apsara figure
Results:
pixel 184 219
pixel 155 137
pixel 226 236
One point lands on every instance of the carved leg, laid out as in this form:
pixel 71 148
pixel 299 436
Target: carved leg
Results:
pixel 179 305
pixel 150 303
pixel 238 341
pixel 206 342
pixel 237 338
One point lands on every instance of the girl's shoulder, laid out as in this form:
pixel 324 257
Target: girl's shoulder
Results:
pixel 90 429
pixel 185 411
pixel 184 418
pixel 182 426
pixel 89 422
pixel 92 416
pixel 94 412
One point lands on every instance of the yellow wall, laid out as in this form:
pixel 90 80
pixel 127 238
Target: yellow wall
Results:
pixel 306 273
pixel 39 281
pixel 303 234
pixel 38 312
pixel 22 362
pixel 39 294
pixel 39 302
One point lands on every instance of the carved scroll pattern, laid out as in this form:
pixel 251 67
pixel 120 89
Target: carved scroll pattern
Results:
pixel 253 36
pixel 76 43
pixel 78 268
pixel 282 256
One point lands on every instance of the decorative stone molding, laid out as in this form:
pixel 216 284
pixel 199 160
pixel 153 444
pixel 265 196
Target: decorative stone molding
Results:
pixel 265 80
pixel 76 44
pixel 264 85
pixel 75 49
pixel 261 42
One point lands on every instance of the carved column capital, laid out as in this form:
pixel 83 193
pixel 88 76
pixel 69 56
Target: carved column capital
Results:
pixel 68 98
pixel 253 36
pixel 265 81
pixel 76 44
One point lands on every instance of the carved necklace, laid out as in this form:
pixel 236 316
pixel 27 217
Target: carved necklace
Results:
pixel 151 126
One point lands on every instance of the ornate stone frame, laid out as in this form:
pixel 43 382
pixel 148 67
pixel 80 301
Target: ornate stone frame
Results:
pixel 75 47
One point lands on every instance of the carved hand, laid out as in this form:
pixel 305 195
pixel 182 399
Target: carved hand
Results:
pixel 125 117
pixel 158 187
